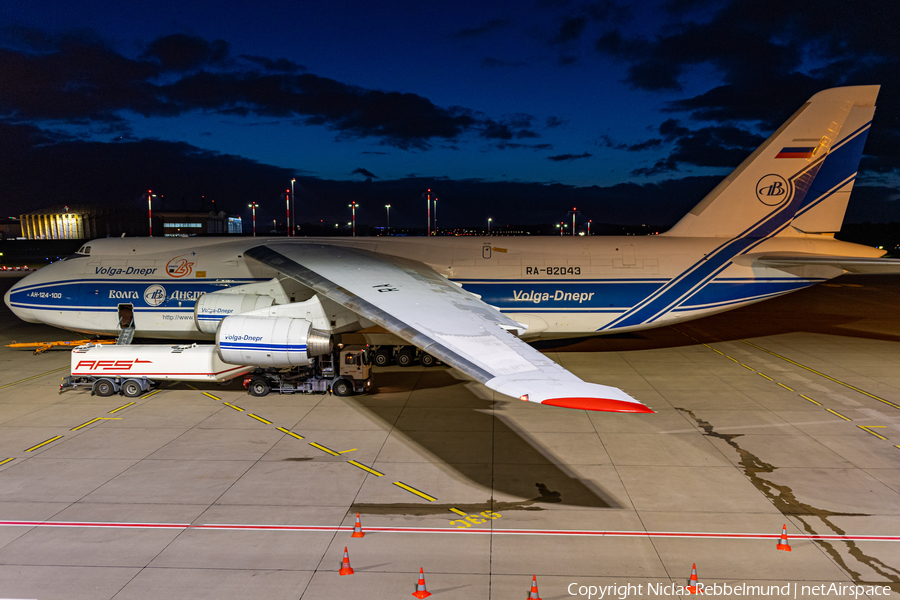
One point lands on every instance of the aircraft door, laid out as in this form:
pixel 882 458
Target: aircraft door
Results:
pixel 126 316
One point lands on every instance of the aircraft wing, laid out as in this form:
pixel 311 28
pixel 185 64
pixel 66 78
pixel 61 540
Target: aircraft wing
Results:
pixel 850 264
pixel 419 305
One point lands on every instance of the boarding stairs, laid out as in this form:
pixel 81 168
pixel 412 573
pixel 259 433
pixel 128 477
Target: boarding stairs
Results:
pixel 126 334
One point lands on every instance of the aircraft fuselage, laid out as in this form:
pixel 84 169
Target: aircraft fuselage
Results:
pixel 557 286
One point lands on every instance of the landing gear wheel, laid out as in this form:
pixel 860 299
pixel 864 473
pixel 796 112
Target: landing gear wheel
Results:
pixel 342 387
pixel 405 357
pixel 427 360
pixel 382 358
pixel 132 388
pixel 258 387
pixel 104 388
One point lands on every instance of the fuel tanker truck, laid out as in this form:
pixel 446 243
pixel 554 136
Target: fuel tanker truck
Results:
pixel 282 354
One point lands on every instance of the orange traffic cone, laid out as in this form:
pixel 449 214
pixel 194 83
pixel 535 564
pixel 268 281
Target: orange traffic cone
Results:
pixel 421 592
pixel 693 586
pixel 346 569
pixel 357 529
pixel 533 594
pixel 783 544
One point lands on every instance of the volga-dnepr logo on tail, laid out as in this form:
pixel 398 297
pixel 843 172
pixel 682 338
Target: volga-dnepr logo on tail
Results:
pixel 772 190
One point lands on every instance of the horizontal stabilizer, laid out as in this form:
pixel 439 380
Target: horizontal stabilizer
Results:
pixel 849 264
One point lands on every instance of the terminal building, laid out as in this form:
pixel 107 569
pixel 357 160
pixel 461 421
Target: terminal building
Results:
pixel 90 222
pixel 189 224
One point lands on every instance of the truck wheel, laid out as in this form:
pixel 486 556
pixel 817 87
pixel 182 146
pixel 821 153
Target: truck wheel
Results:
pixel 132 388
pixel 104 388
pixel 258 387
pixel 342 387
pixel 406 357
pixel 382 358
pixel 427 360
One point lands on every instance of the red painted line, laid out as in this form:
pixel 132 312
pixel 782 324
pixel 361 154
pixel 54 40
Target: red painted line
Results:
pixel 101 524
pixel 135 374
pixel 553 532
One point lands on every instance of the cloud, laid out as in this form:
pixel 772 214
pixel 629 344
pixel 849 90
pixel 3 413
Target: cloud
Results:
pixel 78 79
pixel 569 157
pixel 767 58
pixel 181 52
pixel 607 142
pixel 553 122
pixel 364 173
pixel 480 30
pixel 715 146
pixel 770 55
pixel 511 126
pixel 281 65
pixel 570 30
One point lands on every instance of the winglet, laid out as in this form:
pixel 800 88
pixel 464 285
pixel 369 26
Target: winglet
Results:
pixel 599 404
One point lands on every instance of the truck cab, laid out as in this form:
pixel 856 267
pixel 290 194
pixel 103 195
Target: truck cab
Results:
pixel 354 371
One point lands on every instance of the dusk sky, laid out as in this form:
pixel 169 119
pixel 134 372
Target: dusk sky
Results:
pixel 634 109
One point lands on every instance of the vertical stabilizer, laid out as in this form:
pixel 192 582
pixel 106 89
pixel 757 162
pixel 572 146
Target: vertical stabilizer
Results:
pixel 802 174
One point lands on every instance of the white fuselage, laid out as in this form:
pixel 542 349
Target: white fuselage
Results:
pixel 555 286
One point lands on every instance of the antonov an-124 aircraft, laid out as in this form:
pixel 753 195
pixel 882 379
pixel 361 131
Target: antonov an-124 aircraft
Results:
pixel 767 229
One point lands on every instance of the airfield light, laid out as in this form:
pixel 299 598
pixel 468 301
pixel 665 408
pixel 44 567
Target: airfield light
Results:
pixel 428 227
pixel 387 207
pixel 435 215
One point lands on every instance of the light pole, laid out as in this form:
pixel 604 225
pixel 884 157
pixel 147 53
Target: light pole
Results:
pixel 253 205
pixel 489 225
pixel 287 203
pixel 387 207
pixel 353 206
pixel 435 215
pixel 574 212
pixel 294 203
pixel 428 227
pixel 150 195
pixel 589 227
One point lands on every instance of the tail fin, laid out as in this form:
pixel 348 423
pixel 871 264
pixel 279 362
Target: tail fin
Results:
pixel 801 176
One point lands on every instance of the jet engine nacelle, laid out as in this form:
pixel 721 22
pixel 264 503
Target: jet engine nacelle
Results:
pixel 210 309
pixel 269 341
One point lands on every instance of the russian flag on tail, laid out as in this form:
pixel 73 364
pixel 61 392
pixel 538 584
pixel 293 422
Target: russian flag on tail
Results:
pixel 796 152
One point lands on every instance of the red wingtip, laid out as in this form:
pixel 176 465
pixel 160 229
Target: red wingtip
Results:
pixel 600 404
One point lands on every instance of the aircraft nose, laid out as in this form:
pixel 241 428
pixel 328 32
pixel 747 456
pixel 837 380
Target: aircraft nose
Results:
pixel 26 314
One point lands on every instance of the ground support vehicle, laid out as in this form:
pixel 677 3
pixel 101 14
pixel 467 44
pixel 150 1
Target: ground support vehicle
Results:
pixel 344 371
pixel 133 369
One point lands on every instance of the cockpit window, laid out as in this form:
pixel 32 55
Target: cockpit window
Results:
pixel 84 250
